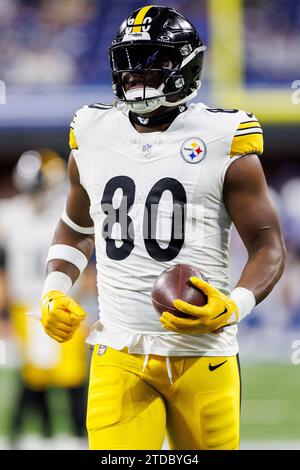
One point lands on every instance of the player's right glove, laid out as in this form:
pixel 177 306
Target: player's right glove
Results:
pixel 210 318
pixel 61 315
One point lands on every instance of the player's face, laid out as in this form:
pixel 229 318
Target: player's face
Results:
pixel 152 76
pixel 151 79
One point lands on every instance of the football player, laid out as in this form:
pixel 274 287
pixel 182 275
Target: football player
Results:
pixel 155 182
pixel 40 178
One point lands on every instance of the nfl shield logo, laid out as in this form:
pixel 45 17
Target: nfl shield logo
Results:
pixel 193 150
pixel 147 149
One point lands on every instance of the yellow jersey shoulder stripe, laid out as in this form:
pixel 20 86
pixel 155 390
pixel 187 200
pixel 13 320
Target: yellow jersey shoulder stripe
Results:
pixel 252 130
pixel 248 125
pixel 72 140
pixel 248 138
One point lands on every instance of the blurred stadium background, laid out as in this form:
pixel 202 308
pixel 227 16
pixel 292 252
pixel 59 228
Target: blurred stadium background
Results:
pixel 53 59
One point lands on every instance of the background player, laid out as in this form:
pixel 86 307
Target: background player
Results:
pixel 26 230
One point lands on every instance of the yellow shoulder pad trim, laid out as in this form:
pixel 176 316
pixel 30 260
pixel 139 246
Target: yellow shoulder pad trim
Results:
pixel 72 140
pixel 247 143
pixel 249 125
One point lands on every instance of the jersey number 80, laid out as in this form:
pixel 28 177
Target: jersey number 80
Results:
pixel 150 217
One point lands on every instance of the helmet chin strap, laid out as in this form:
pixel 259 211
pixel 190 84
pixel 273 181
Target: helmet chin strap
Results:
pixel 155 121
pixel 184 100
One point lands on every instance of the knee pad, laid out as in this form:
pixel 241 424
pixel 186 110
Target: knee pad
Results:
pixel 108 401
pixel 220 423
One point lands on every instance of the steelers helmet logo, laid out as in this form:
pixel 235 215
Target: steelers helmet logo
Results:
pixel 193 150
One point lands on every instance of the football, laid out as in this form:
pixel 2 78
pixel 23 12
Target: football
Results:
pixel 174 283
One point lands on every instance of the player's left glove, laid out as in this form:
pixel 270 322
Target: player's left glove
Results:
pixel 215 314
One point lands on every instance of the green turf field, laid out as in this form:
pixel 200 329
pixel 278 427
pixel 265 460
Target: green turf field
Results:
pixel 270 406
pixel 9 381
pixel 271 402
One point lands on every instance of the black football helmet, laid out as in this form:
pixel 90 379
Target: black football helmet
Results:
pixel 156 39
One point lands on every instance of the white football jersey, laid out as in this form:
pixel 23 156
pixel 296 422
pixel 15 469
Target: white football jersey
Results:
pixel 26 233
pixel 156 201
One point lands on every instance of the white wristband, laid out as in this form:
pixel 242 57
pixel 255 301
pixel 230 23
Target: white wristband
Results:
pixel 57 280
pixel 244 299
pixel 68 253
pixel 77 228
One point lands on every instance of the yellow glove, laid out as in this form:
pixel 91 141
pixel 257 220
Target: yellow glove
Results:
pixel 207 319
pixel 61 315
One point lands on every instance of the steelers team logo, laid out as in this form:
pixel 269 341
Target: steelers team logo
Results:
pixel 193 150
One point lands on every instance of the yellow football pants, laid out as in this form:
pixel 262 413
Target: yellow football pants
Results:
pixel 132 403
